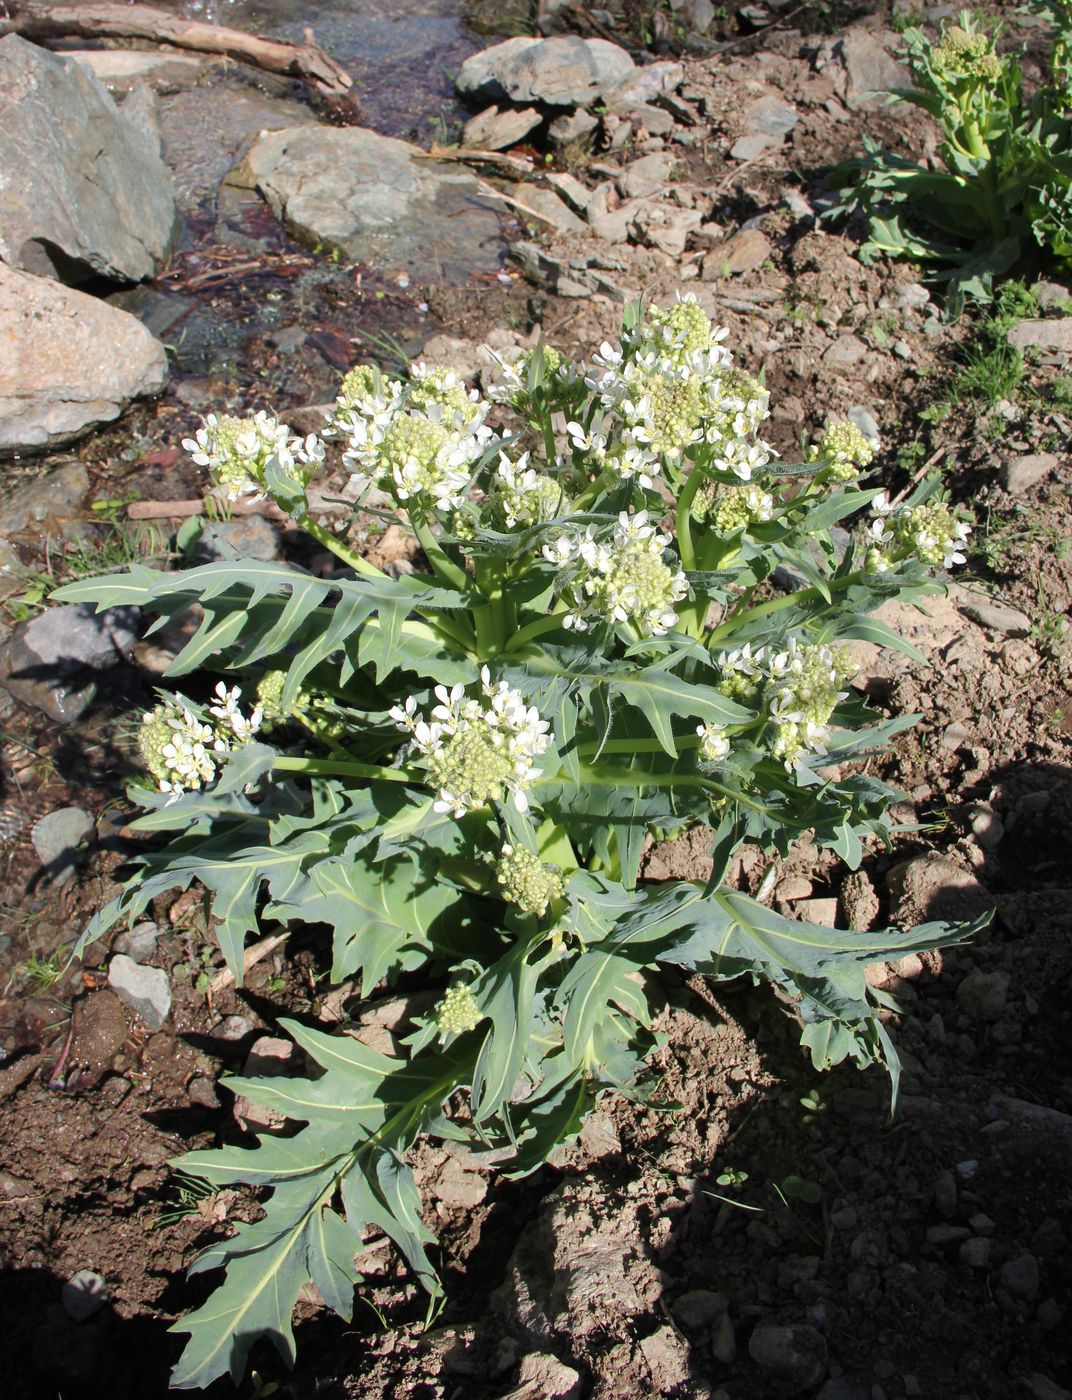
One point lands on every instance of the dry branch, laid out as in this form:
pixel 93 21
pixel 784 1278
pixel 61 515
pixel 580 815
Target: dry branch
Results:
pixel 307 62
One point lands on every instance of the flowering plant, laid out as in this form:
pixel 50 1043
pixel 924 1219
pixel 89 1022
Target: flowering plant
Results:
pixel 457 772
pixel 1006 187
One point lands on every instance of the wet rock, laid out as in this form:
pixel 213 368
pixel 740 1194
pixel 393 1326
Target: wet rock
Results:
pixel 120 70
pixel 138 943
pixel 560 72
pixel 250 538
pixel 56 838
pixel 83 1295
pixel 50 661
pixel 983 994
pixel 794 1356
pixel 69 362
pixel 376 199
pixel 495 130
pixel 1022 474
pixel 1054 335
pixel 83 192
pixel 54 497
pixel 742 253
pixel 996 617
pixel 1021 1277
pixel 145 990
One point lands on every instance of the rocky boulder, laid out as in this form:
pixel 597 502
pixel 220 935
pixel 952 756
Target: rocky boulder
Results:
pixel 565 72
pixel 83 191
pixel 376 199
pixel 68 362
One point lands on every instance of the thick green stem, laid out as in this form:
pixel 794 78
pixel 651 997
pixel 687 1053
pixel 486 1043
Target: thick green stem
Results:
pixel 532 630
pixel 339 549
pixel 337 768
pixel 445 567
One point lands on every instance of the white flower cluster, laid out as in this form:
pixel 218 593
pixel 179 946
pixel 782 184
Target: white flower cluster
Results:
pixel 238 451
pixel 476 749
pixel 520 495
pixel 515 366
pixel 798 689
pixel 670 386
pixel 929 531
pixel 623 580
pixel 182 750
pixel 714 742
pixel 419 443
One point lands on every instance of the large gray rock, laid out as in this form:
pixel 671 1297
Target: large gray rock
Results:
pixel 376 200
pixel 51 662
pixel 83 192
pixel 566 72
pixel 862 67
pixel 68 362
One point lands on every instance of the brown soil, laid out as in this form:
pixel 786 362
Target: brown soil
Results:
pixel 931 1251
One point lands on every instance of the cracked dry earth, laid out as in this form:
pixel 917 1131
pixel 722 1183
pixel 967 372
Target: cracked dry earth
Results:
pixel 756 1231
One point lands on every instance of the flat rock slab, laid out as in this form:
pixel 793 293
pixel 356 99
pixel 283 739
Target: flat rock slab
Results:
pixel 83 191
pixel 565 72
pixel 495 130
pixel 56 838
pixel 121 69
pixel 68 362
pixel 376 199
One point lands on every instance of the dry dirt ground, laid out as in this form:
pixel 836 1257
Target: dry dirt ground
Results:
pixel 925 1255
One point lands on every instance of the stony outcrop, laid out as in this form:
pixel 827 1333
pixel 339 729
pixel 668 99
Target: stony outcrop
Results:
pixel 83 191
pixel 563 72
pixel 68 362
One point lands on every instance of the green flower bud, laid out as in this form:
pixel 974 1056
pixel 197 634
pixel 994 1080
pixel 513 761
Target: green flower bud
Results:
pixel 526 881
pixel 457 1012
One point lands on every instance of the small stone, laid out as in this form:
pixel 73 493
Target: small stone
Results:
pixel 52 498
pixel 1052 296
pixel 457 1188
pixel 233 1028
pixel 573 126
pixel 975 1253
pixel 996 617
pixel 845 353
pixel 945 1194
pixel 56 838
pixel 844 1218
pixel 724 1341
pixel 943 1235
pixel 744 252
pixel 912 296
pixel 983 994
pixel 1048 1314
pixel 83 1295
pixel 138 943
pixel 981 1224
pixel 250 538
pixel 554 212
pixel 569 188
pixel 1022 474
pixel 495 130
pixel 699 1307
pixel 1021 1277
pixel 144 989
pixel 987 827
pixel 599 1136
pixel 793 887
pixel 203 1091
pixel 647 176
pixel 544 1375
pixel 14 1188
pixel 269 1056
pixel 795 1356
pixel 823 912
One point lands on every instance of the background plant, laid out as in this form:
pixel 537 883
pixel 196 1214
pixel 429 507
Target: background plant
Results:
pixel 1004 191
pixel 456 772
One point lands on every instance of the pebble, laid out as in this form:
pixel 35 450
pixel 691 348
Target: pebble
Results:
pixel 1048 1314
pixel 233 1028
pixel 699 1307
pixel 996 617
pixel 975 1253
pixel 966 1170
pixel 83 1295
pixel 203 1091
pixel 1021 1277
pixel 269 1055
pixel 457 1188
pixel 1021 474
pixel 981 1224
pixel 724 1341
pixel 947 1234
pixel 56 838
pixel 795 1356
pixel 145 990
pixel 138 943
pixel 14 1188
pixel 983 994
pixel 987 827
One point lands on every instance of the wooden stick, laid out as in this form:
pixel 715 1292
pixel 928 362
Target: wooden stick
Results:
pixel 253 955
pixel 181 510
pixel 513 165
pixel 307 62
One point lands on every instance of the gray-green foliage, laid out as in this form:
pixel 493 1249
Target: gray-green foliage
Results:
pixel 465 765
pixel 1003 190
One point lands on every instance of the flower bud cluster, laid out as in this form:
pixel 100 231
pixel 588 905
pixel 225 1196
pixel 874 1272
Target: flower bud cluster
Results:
pixel 457 1011
pixel 623 580
pixel 527 881
pixel 798 690
pixel 929 532
pixel 445 389
pixel 423 455
pixel 843 451
pixel 522 496
pixel 512 385
pixel 671 387
pixel 182 750
pixel 729 508
pixel 960 55
pixel 477 749
pixel 238 452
